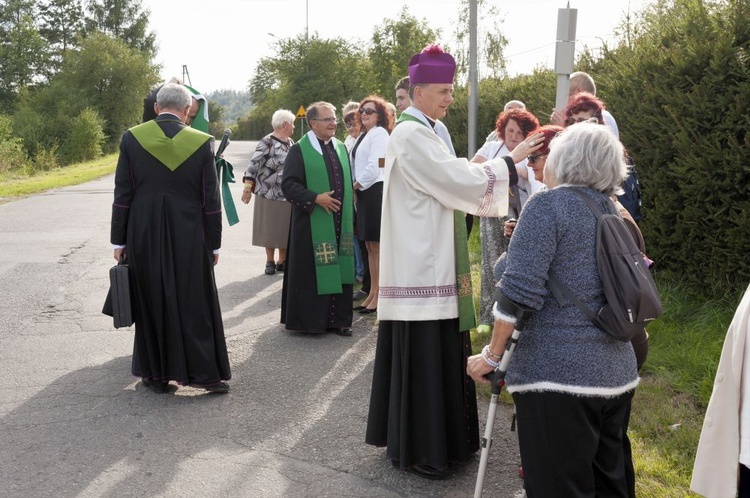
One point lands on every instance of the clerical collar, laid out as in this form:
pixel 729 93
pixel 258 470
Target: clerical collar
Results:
pixel 413 111
pixel 323 142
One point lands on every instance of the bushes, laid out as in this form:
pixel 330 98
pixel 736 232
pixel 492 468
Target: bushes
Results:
pixel 536 90
pixel 86 137
pixel 12 155
pixel 679 92
pixel 82 140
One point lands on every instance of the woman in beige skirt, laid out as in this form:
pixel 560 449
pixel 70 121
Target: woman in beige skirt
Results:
pixel 263 177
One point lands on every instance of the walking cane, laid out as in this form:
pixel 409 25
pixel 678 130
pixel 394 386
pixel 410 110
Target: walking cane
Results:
pixel 498 381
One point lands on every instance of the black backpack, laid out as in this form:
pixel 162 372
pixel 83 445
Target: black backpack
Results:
pixel 632 299
pixel 632 198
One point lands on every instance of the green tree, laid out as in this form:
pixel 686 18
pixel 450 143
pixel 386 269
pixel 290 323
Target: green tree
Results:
pixel 490 41
pixel 60 22
pixel 22 49
pixel 393 43
pixel 124 20
pixel 107 76
pixel 301 72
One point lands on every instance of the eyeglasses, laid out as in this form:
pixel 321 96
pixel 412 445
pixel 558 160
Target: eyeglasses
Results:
pixel 533 159
pixel 367 110
pixel 572 121
pixel 326 120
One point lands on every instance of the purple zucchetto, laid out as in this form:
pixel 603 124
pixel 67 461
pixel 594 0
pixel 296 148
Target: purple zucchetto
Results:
pixel 432 65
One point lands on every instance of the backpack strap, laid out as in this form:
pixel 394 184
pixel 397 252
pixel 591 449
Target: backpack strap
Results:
pixel 564 295
pixel 562 292
pixel 591 203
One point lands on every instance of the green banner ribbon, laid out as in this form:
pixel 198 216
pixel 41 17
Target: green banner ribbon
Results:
pixel 225 174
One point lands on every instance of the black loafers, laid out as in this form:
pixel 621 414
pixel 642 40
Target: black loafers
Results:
pixel 220 387
pixel 344 331
pixel 156 386
pixel 428 472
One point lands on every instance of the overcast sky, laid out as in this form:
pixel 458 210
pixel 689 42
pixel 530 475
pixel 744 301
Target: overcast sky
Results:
pixel 222 46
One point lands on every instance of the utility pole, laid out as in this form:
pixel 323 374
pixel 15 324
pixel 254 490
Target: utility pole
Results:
pixel 565 53
pixel 473 78
pixel 186 76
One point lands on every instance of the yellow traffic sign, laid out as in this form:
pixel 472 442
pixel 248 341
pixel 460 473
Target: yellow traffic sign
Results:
pixel 301 113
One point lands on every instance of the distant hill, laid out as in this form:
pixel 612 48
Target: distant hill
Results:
pixel 235 103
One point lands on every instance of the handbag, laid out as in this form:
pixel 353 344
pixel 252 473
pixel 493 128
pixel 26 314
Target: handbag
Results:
pixel 118 303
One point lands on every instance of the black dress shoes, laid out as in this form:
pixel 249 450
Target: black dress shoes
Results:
pixel 344 331
pixel 428 472
pixel 368 311
pixel 219 387
pixel 359 308
pixel 156 386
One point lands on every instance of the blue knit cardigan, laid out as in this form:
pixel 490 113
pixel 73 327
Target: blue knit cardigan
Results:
pixel 560 349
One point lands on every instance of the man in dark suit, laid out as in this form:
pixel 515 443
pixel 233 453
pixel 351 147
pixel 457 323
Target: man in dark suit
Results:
pixel 166 221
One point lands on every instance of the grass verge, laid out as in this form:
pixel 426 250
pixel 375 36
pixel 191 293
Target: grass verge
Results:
pixel 677 379
pixel 14 185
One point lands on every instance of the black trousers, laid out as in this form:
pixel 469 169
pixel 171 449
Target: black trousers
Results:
pixel 366 262
pixel 572 446
pixel 744 489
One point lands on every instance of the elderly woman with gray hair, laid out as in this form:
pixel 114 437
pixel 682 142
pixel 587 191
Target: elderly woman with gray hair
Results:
pixel 272 213
pixel 571 382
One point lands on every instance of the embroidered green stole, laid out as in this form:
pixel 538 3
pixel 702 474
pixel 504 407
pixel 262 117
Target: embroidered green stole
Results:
pixel 171 152
pixel 334 263
pixel 466 313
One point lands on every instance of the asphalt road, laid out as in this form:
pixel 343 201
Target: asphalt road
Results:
pixel 74 422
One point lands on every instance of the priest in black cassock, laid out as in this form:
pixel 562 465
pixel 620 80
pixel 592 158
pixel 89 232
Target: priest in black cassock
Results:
pixel 317 293
pixel 166 222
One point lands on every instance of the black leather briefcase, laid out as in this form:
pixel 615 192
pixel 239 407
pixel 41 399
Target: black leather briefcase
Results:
pixel 118 303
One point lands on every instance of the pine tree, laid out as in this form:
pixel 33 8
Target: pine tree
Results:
pixel 60 22
pixel 22 49
pixel 124 20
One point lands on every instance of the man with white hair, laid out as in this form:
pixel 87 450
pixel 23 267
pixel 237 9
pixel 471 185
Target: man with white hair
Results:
pixel 166 223
pixel 198 115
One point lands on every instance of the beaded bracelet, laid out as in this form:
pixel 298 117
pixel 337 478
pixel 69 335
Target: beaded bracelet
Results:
pixel 487 359
pixel 493 355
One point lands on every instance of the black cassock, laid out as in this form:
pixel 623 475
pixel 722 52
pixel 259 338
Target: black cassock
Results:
pixel 301 307
pixel 171 223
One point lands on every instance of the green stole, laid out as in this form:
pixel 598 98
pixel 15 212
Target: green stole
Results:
pixel 334 264
pixel 171 152
pixel 466 314
pixel 200 122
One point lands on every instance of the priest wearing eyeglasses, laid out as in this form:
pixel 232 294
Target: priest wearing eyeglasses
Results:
pixel 317 292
